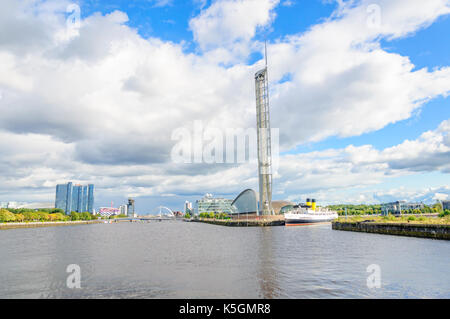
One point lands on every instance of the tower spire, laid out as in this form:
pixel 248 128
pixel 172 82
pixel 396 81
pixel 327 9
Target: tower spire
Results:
pixel 265 49
pixel 264 139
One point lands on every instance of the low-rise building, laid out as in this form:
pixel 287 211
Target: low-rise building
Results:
pixel 123 209
pixel 108 211
pixel 187 207
pixel 446 204
pixel 209 204
pixel 400 206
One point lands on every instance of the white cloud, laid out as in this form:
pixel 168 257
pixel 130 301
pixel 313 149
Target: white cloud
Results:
pixel 161 3
pixel 430 152
pixel 327 174
pixel 343 83
pixel 376 196
pixel 288 3
pixel 228 26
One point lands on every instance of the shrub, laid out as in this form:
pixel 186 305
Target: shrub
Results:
pixel 445 213
pixel 6 216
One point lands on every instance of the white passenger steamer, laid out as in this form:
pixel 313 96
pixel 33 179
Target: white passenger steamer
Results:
pixel 309 214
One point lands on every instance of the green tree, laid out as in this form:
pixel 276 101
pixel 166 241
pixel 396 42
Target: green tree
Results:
pixel 57 217
pixel 437 207
pixel 19 217
pixel 75 216
pixel 30 216
pixel 85 216
pixel 43 216
pixel 445 213
pixel 6 216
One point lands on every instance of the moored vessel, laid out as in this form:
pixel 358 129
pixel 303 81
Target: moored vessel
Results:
pixel 308 214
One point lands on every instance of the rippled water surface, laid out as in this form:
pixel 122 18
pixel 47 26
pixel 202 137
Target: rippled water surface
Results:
pixel 192 260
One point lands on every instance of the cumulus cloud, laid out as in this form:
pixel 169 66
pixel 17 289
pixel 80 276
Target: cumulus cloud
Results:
pixel 430 152
pixel 161 3
pixel 343 83
pixel 375 196
pixel 227 27
pixel 356 167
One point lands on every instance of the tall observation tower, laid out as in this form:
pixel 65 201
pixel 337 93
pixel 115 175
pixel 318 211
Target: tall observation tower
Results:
pixel 264 141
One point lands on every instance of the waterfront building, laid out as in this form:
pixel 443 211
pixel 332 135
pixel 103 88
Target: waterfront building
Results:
pixel 75 198
pixel 108 211
pixel 209 204
pixel 187 207
pixel 446 204
pixel 90 198
pixel 247 203
pixel 400 206
pixel 123 210
pixel 36 205
pixel 286 209
pixel 13 205
pixel 130 208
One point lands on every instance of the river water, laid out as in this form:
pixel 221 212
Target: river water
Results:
pixel 192 260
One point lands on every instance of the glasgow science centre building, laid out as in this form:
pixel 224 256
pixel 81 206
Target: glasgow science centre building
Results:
pixel 245 203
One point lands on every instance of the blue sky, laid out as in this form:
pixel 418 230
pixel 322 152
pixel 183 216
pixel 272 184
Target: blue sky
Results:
pixel 426 48
pixel 363 113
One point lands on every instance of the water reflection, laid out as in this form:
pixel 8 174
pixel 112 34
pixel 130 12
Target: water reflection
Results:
pixel 267 270
pixel 193 260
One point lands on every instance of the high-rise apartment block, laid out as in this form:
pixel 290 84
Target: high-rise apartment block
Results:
pixel 130 208
pixel 75 198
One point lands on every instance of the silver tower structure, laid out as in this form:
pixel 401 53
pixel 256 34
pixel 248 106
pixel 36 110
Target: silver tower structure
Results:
pixel 264 141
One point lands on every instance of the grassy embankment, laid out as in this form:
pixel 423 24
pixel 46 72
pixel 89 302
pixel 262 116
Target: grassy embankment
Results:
pixel 421 220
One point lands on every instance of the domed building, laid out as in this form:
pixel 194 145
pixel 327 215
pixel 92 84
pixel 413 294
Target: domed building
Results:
pixel 247 203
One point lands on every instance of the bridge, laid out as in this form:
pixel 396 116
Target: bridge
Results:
pixel 160 217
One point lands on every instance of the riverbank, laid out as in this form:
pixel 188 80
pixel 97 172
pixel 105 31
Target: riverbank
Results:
pixel 425 230
pixel 251 222
pixel 47 224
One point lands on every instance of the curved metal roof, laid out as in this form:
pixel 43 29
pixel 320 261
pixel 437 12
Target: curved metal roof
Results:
pixel 246 205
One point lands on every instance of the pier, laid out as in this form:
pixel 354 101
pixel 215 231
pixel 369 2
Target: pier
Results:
pixel 434 231
pixel 254 221
pixel 47 224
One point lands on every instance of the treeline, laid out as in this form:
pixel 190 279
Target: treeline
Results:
pixel 377 209
pixel 356 209
pixel 214 215
pixel 114 217
pixel 42 215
